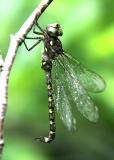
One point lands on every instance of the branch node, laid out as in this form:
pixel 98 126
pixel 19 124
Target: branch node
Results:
pixel 1 60
pixel 19 39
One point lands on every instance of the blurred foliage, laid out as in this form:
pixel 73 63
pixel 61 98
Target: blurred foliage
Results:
pixel 88 27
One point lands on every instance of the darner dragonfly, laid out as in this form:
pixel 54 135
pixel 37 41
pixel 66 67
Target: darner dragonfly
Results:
pixel 68 82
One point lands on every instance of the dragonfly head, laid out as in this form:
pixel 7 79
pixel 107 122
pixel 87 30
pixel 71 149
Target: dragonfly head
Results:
pixel 54 30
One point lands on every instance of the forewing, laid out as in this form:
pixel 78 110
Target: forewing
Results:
pixel 61 98
pixel 89 79
pixel 79 95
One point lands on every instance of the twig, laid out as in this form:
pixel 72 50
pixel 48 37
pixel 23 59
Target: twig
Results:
pixel 6 65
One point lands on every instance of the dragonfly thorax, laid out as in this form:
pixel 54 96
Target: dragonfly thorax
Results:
pixel 54 30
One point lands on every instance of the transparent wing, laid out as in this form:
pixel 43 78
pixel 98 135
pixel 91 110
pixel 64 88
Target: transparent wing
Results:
pixel 61 99
pixel 89 79
pixel 76 90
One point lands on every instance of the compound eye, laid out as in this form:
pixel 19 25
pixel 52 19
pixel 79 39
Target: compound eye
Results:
pixel 52 31
pixel 57 25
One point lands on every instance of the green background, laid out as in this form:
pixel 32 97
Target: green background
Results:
pixel 88 27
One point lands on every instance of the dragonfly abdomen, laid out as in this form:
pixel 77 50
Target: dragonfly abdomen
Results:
pixel 47 66
pixel 50 107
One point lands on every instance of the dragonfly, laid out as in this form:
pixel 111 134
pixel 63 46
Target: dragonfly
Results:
pixel 68 81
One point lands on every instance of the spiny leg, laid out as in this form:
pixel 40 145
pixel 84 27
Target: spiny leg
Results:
pixel 38 26
pixel 51 135
pixel 34 45
pixel 34 29
pixel 35 38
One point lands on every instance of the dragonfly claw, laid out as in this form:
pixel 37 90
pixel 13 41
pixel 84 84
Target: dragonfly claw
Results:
pixel 44 139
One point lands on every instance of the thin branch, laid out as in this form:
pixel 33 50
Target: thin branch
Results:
pixel 26 27
pixel 15 42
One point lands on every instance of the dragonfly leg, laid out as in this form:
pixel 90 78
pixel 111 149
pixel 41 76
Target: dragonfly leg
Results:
pixel 51 135
pixel 38 26
pixel 34 45
pixel 34 29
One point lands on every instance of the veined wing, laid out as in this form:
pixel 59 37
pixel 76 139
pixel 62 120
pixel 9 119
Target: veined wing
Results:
pixel 61 98
pixel 78 93
pixel 89 79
